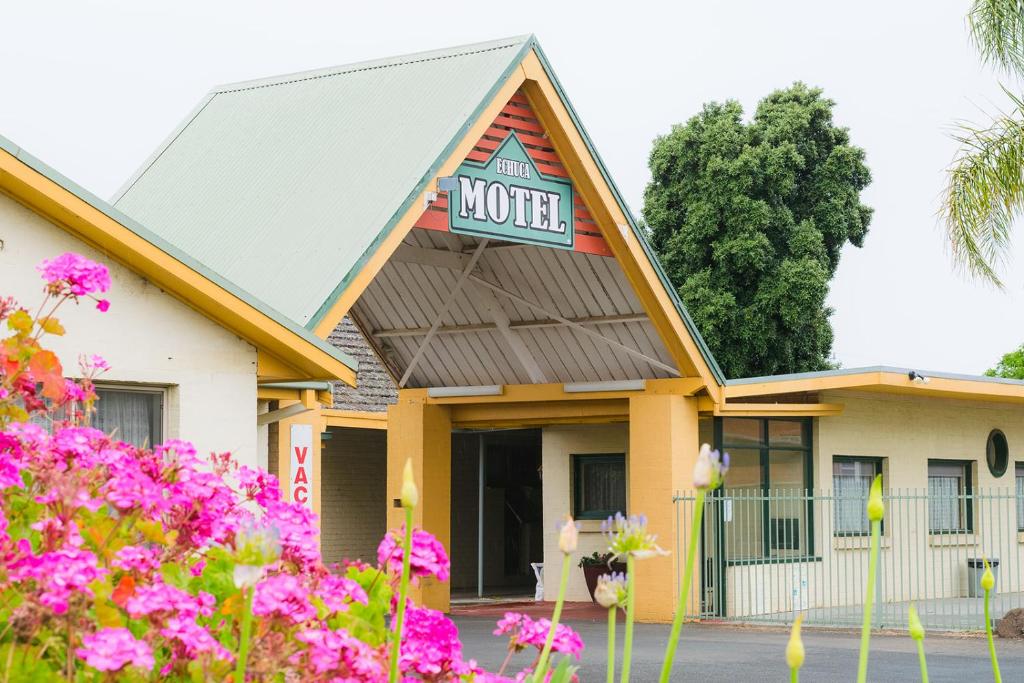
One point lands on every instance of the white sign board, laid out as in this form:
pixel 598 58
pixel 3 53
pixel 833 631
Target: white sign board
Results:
pixel 300 489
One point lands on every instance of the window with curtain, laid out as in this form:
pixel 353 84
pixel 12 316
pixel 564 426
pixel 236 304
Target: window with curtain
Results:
pixel 851 482
pixel 949 496
pixel 130 415
pixel 599 485
pixel 1020 496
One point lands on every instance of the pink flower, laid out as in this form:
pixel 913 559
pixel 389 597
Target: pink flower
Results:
pixel 109 649
pixel 159 598
pixel 58 575
pixel 192 638
pixel 338 592
pixel 430 645
pixel 336 652
pixel 525 632
pixel 75 274
pixel 103 305
pixel 137 558
pixel 428 557
pixel 258 486
pixel 10 472
pixel 283 595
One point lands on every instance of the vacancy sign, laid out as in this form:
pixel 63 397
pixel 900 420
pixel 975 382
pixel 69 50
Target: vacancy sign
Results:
pixel 301 472
pixel 508 199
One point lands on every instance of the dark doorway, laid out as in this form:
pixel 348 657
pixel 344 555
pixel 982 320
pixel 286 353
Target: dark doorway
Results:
pixel 510 529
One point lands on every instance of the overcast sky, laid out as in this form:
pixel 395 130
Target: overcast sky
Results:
pixel 91 87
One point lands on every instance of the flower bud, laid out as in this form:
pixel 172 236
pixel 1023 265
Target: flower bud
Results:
pixel 568 535
pixel 916 629
pixel 702 470
pixel 410 494
pixel 611 590
pixel 988 579
pixel 795 647
pixel 876 508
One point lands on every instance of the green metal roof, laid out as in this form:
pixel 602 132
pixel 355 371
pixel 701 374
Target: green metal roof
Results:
pixel 288 184
pixel 285 185
pixel 172 251
pixel 840 372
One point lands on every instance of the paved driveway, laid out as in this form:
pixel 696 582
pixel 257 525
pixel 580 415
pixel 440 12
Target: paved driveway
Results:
pixel 726 653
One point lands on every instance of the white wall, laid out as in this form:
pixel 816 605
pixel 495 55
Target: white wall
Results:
pixel 147 336
pixel 559 443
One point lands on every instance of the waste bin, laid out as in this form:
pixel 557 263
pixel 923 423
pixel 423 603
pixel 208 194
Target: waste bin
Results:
pixel 975 569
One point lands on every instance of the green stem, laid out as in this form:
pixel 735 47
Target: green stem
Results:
pixel 403 594
pixel 794 675
pixel 869 599
pixel 611 644
pixel 542 663
pixel 684 591
pixel 246 632
pixel 924 664
pixel 991 643
pixel 627 645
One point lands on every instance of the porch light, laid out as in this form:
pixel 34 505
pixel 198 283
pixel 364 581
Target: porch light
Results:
pixel 916 376
pixel 615 385
pixel 459 392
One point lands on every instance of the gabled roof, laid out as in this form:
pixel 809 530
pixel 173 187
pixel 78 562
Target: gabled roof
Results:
pixel 293 186
pixel 292 348
pixel 311 167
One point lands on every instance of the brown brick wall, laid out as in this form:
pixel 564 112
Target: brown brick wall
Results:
pixel 353 490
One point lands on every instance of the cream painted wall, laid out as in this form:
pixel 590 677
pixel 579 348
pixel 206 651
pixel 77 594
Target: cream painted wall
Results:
pixel 147 336
pixel 558 444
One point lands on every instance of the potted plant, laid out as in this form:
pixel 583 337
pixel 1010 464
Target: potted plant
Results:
pixel 599 564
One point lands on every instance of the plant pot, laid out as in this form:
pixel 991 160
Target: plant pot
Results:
pixel 591 572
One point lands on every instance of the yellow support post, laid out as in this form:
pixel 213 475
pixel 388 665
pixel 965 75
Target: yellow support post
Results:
pixel 662 452
pixel 423 432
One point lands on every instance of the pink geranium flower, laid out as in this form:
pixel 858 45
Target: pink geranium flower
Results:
pixel 427 558
pixel 283 595
pixel 74 274
pixel 110 649
pixel 525 632
pixel 430 645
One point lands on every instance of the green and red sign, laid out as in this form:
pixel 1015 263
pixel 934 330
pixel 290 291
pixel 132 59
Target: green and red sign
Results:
pixel 507 198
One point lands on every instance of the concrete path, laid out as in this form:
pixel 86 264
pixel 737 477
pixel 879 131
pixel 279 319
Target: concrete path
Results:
pixel 728 653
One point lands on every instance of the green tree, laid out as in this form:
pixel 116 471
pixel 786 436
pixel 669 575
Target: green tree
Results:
pixel 1011 365
pixel 984 190
pixel 749 219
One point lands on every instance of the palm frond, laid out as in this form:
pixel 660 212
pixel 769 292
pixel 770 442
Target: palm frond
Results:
pixel 984 193
pixel 997 30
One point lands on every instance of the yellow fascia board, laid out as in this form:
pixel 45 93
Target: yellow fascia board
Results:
pixel 885 382
pixel 614 225
pixel 514 415
pixel 357 419
pixel 544 393
pixel 77 216
pixel 779 410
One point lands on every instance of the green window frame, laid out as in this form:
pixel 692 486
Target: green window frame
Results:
pixel 1019 476
pixel 587 467
pixel 781 537
pixel 844 506
pixel 943 475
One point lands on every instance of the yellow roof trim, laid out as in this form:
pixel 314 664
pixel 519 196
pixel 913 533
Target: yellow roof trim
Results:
pixel 80 218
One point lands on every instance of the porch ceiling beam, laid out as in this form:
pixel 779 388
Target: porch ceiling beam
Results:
pixel 537 394
pixel 493 310
pixel 779 409
pixel 514 324
pixel 580 328
pixel 439 258
pixel 280 414
pixel 467 269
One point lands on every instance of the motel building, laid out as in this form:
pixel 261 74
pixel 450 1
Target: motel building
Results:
pixel 443 222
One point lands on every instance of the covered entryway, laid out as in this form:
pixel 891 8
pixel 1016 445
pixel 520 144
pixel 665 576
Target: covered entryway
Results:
pixel 497 513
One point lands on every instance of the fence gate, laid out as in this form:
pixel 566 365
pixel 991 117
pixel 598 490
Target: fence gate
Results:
pixel 766 555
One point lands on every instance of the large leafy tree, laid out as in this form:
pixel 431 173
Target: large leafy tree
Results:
pixel 749 219
pixel 1011 365
pixel 984 191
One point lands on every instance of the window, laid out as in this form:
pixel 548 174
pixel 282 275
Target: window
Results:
pixel 131 415
pixel 1020 496
pixel 851 482
pixel 997 453
pixel 767 512
pixel 949 497
pixel 599 485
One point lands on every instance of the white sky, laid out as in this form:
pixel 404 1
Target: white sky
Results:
pixel 91 87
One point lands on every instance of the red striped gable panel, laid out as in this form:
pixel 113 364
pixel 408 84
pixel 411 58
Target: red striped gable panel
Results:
pixel 518 116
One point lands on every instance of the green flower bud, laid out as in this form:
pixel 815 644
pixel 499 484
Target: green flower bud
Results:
pixel 876 508
pixel 795 647
pixel 988 579
pixel 410 494
pixel 916 628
